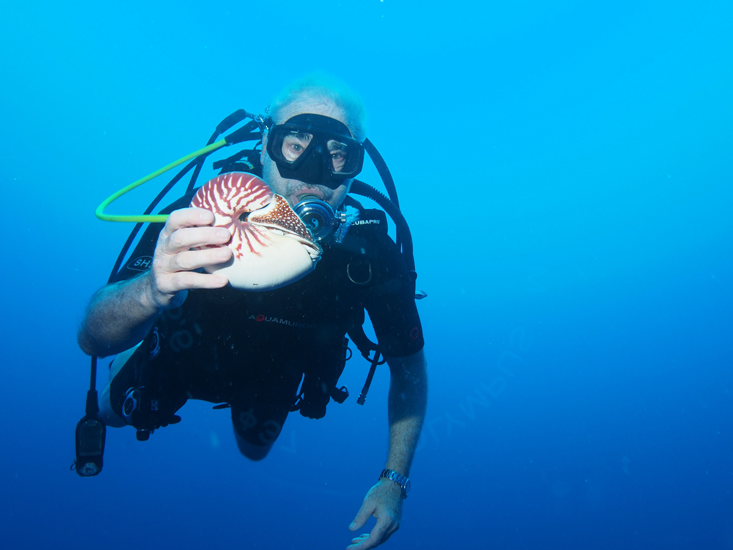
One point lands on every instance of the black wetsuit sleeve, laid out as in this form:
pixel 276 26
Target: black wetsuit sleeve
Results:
pixel 390 302
pixel 141 258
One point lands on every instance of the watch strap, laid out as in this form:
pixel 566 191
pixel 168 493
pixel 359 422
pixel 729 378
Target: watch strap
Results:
pixel 399 479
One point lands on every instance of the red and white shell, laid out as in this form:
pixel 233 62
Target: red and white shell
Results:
pixel 271 245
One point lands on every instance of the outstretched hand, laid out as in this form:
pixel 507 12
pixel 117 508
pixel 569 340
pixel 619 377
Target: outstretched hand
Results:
pixel 384 502
pixel 175 264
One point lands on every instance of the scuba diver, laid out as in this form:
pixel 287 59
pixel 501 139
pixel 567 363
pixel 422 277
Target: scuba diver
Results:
pixel 181 330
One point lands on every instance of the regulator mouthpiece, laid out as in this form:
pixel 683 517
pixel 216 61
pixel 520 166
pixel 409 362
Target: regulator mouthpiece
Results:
pixel 318 216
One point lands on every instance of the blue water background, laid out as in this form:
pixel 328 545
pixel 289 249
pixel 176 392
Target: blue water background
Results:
pixel 566 168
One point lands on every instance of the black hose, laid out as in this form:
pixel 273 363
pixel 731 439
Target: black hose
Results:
pixel 403 230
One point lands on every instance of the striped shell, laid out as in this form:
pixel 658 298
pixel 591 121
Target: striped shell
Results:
pixel 271 246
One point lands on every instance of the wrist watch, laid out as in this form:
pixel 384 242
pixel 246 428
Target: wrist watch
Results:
pixel 400 480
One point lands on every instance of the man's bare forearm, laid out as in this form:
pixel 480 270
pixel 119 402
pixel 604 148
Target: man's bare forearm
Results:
pixel 408 397
pixel 118 317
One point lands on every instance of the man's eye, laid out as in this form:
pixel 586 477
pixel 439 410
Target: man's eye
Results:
pixel 291 150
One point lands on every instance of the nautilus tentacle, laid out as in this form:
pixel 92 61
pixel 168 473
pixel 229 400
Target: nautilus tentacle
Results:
pixel 271 245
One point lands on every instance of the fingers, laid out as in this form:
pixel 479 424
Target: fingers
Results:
pixel 362 515
pixel 380 533
pixel 386 506
pixel 187 217
pixel 187 280
pixel 190 228
pixel 176 272
pixel 194 237
pixel 178 256
pixel 184 231
pixel 385 528
pixel 355 542
pixel 191 260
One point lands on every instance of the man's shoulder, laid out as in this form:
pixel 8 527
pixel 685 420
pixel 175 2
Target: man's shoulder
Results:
pixel 371 224
pixel 368 217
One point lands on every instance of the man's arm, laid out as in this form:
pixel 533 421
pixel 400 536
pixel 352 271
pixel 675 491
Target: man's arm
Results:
pixel 408 397
pixel 118 317
pixel 121 314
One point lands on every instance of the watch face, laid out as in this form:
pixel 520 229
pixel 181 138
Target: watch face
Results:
pixel 407 488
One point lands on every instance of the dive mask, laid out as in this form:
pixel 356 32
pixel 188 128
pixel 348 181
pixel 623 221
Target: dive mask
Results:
pixel 315 149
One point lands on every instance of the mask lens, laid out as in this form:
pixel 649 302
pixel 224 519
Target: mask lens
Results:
pixel 339 155
pixel 294 144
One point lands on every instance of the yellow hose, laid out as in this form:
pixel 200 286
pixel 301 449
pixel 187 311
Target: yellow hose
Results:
pixel 160 218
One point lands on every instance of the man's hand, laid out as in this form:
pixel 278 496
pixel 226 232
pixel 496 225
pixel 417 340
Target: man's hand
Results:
pixel 384 502
pixel 121 314
pixel 174 264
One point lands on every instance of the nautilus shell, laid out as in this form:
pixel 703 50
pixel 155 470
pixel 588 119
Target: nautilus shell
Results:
pixel 271 245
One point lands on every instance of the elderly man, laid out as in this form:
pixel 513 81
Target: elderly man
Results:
pixel 182 333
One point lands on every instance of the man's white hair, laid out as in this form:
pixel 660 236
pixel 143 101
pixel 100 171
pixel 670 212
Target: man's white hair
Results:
pixel 323 87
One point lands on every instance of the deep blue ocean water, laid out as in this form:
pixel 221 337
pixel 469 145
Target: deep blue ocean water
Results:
pixel 567 172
